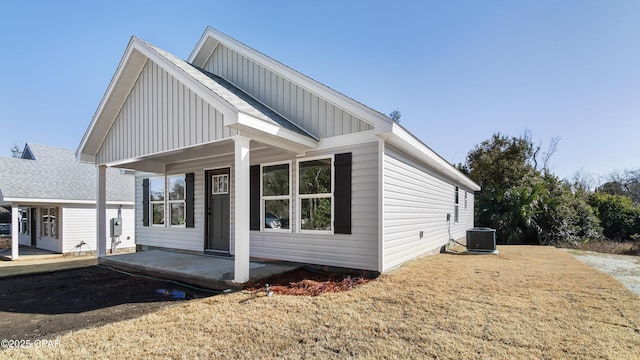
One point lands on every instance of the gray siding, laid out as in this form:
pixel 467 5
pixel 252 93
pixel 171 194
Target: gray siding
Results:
pixel 191 239
pixel 160 114
pixel 311 112
pixel 357 250
pixel 415 200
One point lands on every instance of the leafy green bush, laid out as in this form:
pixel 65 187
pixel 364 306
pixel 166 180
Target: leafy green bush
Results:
pixel 619 216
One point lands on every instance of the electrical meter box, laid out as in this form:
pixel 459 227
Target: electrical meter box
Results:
pixel 116 227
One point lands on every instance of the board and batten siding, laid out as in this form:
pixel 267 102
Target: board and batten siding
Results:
pixel 160 114
pixel 357 250
pixel 415 200
pixel 79 224
pixel 309 111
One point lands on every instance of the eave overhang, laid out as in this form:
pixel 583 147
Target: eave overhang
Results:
pixel 400 138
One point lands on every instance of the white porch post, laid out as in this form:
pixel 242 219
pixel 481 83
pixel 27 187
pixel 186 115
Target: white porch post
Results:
pixel 15 219
pixel 242 213
pixel 101 211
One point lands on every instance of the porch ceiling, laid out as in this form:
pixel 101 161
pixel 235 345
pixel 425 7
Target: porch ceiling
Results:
pixel 156 163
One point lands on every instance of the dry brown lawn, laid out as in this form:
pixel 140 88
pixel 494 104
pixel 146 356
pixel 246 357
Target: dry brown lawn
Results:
pixel 527 302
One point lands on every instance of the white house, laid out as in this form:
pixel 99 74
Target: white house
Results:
pixel 52 198
pixel 238 154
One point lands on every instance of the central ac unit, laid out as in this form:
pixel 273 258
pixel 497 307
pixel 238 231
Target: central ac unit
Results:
pixel 481 239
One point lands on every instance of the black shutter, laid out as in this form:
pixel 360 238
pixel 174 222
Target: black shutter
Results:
pixel 145 202
pixel 189 216
pixel 254 197
pixel 342 194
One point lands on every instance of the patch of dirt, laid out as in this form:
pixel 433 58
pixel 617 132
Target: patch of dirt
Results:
pixel 304 282
pixel 5 242
pixel 44 305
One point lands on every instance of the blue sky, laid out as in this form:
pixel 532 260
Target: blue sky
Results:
pixel 458 71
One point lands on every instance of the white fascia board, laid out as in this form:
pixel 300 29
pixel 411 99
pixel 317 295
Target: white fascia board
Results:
pixel 347 140
pixel 125 62
pixel 203 50
pixel 124 78
pixel 27 201
pixel 243 121
pixel 406 141
pixel 352 106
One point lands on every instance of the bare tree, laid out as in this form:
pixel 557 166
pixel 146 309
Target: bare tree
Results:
pixel 627 182
pixel 545 155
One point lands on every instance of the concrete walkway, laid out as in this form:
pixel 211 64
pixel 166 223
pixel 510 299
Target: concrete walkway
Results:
pixel 36 265
pixel 203 270
pixel 29 253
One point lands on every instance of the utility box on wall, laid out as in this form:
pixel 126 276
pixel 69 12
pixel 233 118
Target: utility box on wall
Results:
pixel 116 227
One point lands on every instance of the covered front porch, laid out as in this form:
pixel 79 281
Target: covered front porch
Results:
pixel 208 271
pixel 160 113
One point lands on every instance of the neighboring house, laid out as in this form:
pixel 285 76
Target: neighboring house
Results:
pixel 238 154
pixel 53 200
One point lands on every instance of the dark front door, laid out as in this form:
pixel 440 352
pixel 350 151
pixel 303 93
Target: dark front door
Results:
pixel 218 210
pixel 32 227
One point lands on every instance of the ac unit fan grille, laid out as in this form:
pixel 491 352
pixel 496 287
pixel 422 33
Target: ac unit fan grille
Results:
pixel 481 239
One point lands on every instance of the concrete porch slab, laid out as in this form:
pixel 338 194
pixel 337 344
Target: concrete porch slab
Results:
pixel 30 253
pixel 203 270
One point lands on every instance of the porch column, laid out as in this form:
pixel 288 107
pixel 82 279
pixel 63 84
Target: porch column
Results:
pixel 101 211
pixel 241 209
pixel 15 219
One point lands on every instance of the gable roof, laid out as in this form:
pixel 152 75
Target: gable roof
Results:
pixel 212 37
pixel 54 176
pixel 240 110
pixel 391 131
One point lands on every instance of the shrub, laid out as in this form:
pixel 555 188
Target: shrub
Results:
pixel 619 217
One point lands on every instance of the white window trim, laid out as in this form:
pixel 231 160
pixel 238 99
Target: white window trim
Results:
pixel 278 197
pixel 25 221
pixel 167 207
pixel 465 199
pixel 55 222
pixel 456 205
pixel 299 196
pixel 163 202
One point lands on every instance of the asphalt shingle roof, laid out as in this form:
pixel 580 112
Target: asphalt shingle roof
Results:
pixel 232 94
pixel 56 175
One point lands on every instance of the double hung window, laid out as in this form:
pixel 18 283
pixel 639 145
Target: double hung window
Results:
pixel 156 200
pixel 456 213
pixel 49 222
pixel 171 205
pixel 276 196
pixel 315 195
pixel 176 191
pixel 25 224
